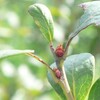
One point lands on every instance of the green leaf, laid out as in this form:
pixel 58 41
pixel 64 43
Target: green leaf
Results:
pixel 56 86
pixel 97 73
pixel 91 16
pixel 95 91
pixel 43 19
pixel 7 53
pixel 79 69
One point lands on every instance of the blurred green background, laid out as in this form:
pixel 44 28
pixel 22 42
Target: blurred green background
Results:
pixel 22 77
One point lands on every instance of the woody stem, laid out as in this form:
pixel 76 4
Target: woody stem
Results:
pixel 52 50
pixel 63 81
pixel 39 59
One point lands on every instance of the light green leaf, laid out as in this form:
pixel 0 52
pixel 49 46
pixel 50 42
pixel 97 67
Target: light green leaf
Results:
pixel 91 16
pixel 97 73
pixel 79 69
pixel 95 91
pixel 43 19
pixel 7 53
pixel 56 86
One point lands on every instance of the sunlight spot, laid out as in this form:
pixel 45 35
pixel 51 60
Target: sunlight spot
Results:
pixel 76 69
pixel 45 97
pixel 7 68
pixel 19 95
pixel 28 79
pixel 65 11
pixel 13 19
pixel 5 32
pixel 70 2
pixel 59 33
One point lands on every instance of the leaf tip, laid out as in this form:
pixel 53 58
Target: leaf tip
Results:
pixel 83 6
pixel 30 9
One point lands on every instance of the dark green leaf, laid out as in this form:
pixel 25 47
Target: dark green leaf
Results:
pixel 43 19
pixel 79 70
pixel 7 53
pixel 95 91
pixel 91 16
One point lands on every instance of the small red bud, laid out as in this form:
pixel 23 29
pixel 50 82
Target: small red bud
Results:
pixel 59 51
pixel 57 73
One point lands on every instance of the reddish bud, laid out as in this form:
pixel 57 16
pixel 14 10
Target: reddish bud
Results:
pixel 59 51
pixel 57 73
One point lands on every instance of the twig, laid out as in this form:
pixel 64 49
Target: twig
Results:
pixel 48 67
pixel 36 57
pixel 52 50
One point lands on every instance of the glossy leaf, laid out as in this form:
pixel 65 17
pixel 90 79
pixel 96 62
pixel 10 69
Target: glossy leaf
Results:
pixel 95 91
pixel 79 69
pixel 91 16
pixel 43 19
pixel 7 53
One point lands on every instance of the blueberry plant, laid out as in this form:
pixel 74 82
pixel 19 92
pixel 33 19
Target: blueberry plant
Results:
pixel 73 77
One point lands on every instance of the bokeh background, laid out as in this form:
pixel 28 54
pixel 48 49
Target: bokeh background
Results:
pixel 23 77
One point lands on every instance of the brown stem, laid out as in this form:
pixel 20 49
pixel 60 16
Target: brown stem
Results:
pixel 52 50
pixel 36 57
pixel 48 67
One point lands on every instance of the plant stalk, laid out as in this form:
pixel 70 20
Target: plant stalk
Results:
pixel 48 67
pixel 52 50
pixel 66 85
pixel 39 59
pixel 63 81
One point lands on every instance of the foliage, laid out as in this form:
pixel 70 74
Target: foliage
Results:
pixel 43 19
pixel 94 93
pixel 19 32
pixel 79 71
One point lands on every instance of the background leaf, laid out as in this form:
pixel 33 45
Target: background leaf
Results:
pixel 7 53
pixel 95 91
pixel 43 19
pixel 79 70
pixel 91 16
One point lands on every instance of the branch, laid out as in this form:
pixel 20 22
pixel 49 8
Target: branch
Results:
pixel 52 50
pixel 48 67
pixel 36 57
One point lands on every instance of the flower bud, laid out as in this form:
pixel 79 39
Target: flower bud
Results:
pixel 59 51
pixel 57 73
